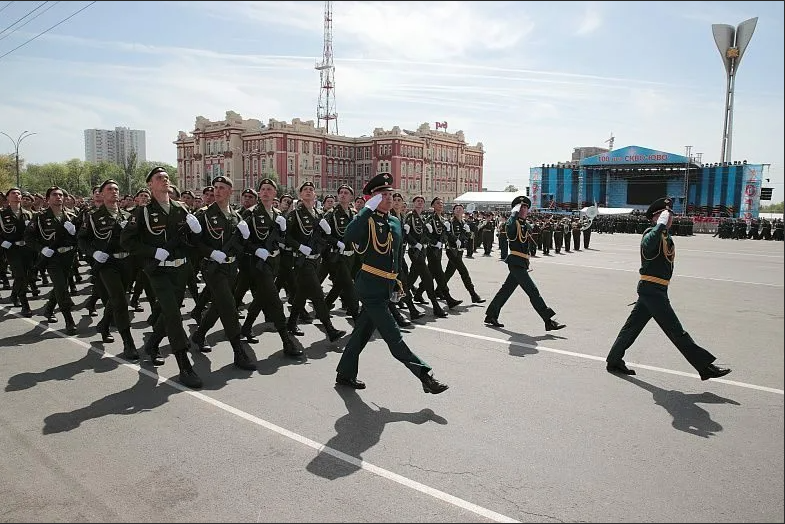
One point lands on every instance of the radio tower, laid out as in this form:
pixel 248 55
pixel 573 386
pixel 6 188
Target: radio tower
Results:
pixel 325 110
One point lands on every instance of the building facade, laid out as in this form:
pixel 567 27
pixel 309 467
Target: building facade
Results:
pixel 114 145
pixel 427 162
pixel 633 177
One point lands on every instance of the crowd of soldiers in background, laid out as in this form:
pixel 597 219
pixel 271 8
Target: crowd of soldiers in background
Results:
pixel 756 229
pixel 636 222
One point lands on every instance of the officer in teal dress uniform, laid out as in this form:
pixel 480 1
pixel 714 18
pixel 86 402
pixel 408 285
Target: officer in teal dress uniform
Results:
pixel 378 240
pixel 657 256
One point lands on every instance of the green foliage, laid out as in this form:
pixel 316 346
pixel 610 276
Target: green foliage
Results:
pixel 7 172
pixel 773 208
pixel 511 189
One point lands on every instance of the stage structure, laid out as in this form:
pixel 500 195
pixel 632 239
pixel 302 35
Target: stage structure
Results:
pixel 633 177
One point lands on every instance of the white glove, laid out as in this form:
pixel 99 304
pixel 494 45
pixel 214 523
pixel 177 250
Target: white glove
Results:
pixel 373 202
pixel 664 217
pixel 6 244
pixel 325 226
pixel 517 208
pixel 458 244
pixel 262 253
pixel 467 228
pixel 69 227
pixel 193 223
pixel 447 225
pixel 123 224
pixel 341 246
pixel 245 231
pixel 429 227
pixel 218 256
pixel 418 246
pixel 406 228
pixel 27 223
pixel 161 254
pixel 305 250
pixel 47 252
pixel 100 257
pixel 438 245
pixel 281 221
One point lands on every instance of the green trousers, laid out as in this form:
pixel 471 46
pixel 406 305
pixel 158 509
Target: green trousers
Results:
pixel 220 280
pixel 114 279
pixel 168 286
pixel 375 314
pixel 653 302
pixel 519 276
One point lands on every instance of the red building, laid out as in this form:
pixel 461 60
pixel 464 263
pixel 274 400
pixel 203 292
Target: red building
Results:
pixel 432 163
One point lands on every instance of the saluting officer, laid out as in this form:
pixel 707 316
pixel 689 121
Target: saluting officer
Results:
pixel 13 221
pixel 99 241
pixel 220 243
pixel 520 240
pixel 380 240
pixel 657 256
pixel 53 234
pixel 158 234
pixel 267 227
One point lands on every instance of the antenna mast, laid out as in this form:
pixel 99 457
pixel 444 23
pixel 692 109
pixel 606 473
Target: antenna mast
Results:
pixel 325 110
pixel 610 142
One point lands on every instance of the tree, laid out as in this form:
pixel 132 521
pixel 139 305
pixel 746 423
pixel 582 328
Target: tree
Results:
pixel 7 172
pixel 129 169
pixel 511 189
pixel 773 208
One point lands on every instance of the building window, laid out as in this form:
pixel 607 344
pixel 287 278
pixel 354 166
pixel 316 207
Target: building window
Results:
pixel 317 166
pixel 255 167
pixel 264 166
pixel 291 165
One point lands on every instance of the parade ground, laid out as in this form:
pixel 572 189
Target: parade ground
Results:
pixel 532 429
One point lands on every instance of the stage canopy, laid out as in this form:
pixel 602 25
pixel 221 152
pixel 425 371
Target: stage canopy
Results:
pixel 634 155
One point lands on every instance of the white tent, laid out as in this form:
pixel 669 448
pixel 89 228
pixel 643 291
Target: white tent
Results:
pixel 488 198
pixel 611 210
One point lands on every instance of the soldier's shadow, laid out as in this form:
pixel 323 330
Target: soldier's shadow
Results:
pixel 358 431
pixel 683 407
pixel 521 338
pixel 37 334
pixel 91 361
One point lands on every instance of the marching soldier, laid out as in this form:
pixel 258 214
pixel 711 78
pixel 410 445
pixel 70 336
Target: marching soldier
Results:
pixel 501 230
pixel 380 238
pixel 558 235
pixel 307 234
pixel 99 241
pixel 157 233
pixel 567 228
pixel 220 243
pixel 339 259
pixel 576 234
pixel 53 234
pixel 399 211
pixel 520 239
pixel 417 238
pixel 13 221
pixel 547 236
pixel 657 256
pixel 267 227
pixel 487 229
pixel 438 234
pixel 456 242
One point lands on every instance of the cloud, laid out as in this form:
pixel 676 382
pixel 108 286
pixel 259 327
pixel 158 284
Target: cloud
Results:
pixel 590 21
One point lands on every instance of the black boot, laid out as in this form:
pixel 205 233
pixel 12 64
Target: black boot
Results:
pixel 103 329
pixel 475 297
pixel 451 302
pixel 70 325
pixel 26 311
pixel 291 325
pixel 129 348
pixel 188 376
pixel 414 313
pixel 241 358
pixel 198 343
pixel 552 325
pixel 288 346
pixel 332 333
pixel 399 319
pixel 246 332
pixel 431 385
pixel 49 309
pixel 151 348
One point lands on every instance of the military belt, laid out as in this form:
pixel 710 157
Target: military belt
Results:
pixel 656 280
pixel 379 272
pixel 228 260
pixel 65 249
pixel 519 254
pixel 309 257
pixel 20 243
pixel 347 253
pixel 173 263
pixel 121 255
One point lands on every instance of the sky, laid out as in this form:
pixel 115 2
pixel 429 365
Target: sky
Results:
pixel 530 80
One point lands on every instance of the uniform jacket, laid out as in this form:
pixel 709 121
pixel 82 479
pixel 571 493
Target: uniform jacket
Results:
pixel 101 231
pixel 151 228
pixel 379 240
pixel 47 230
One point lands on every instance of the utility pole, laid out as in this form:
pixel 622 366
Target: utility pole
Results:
pixel 16 143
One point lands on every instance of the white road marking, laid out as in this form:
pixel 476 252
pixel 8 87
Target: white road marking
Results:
pixel 321 448
pixel 594 357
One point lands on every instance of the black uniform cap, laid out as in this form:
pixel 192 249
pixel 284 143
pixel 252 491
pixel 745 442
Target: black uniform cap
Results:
pixel 12 189
pixel 208 189
pixel 153 171
pixel 415 197
pixel 143 190
pixel 250 191
pixel 658 205
pixel 305 184
pixel 222 179
pixel 108 181
pixel 344 186
pixel 187 192
pixel 53 188
pixel 381 182
pixel 268 181
pixel 522 200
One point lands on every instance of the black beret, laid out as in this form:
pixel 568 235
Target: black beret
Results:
pixel 268 181
pixel 287 195
pixel 222 179
pixel 456 205
pixel 187 192
pixel 658 205
pixel 108 181
pixel 381 182
pixel 143 190
pixel 305 184
pixel 153 171
pixel 26 194
pixel 53 188
pixel 344 186
pixel 208 189
pixel 250 191
pixel 522 200
pixel 397 195
pixel 434 200
pixel 415 197
pixel 328 196
pixel 175 190
pixel 12 189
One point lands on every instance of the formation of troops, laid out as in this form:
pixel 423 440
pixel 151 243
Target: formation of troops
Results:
pixel 383 255
pixel 755 229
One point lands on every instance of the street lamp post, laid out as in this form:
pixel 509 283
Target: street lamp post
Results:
pixel 16 143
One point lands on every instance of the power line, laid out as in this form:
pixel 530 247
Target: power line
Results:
pixel 48 29
pixel 6 5
pixel 36 16
pixel 28 14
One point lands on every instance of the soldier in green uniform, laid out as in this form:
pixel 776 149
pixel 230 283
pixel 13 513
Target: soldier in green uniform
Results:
pixel 380 240
pixel 219 245
pixel 520 240
pixel 157 233
pixel 13 221
pixel 99 241
pixel 657 256
pixel 338 261
pixel 53 234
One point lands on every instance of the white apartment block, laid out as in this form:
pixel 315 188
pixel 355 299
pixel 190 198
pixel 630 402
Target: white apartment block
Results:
pixel 114 146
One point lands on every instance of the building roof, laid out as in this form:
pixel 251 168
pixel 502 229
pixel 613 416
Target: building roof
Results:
pixel 488 197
